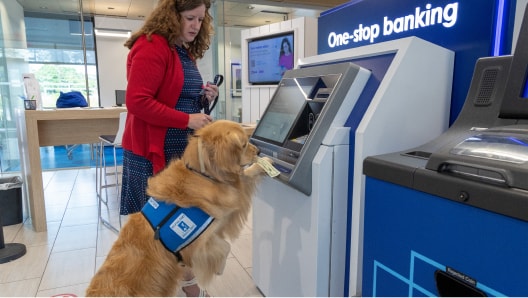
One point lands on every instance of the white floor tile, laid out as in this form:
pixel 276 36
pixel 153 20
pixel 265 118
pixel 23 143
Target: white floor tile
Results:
pixel 23 288
pixel 241 249
pixel 55 213
pixel 82 199
pixel 235 282
pixel 29 237
pixel 30 265
pixel 82 188
pixel 80 216
pixel 11 231
pixel 76 237
pixel 46 177
pixel 68 268
pixel 105 240
pixel 98 262
pixel 65 185
pixel 56 198
pixel 69 291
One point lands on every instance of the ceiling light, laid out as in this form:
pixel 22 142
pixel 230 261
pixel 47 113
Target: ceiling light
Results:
pixel 112 32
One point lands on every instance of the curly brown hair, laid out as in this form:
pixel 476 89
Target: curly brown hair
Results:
pixel 165 20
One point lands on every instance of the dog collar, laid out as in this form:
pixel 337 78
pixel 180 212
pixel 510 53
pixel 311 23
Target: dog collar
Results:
pixel 174 226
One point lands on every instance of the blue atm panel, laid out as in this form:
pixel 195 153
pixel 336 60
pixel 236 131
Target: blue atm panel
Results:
pixel 426 234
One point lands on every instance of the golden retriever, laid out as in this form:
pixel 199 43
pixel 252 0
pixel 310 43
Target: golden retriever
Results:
pixel 218 174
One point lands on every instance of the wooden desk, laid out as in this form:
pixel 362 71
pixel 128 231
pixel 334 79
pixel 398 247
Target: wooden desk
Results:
pixel 54 128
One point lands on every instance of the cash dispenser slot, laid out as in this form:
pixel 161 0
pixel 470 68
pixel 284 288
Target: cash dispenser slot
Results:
pixel 496 156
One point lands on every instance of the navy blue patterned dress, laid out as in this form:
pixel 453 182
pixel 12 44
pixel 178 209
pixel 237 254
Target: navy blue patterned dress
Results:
pixel 137 169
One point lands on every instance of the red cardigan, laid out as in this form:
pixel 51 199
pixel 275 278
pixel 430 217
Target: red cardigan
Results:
pixel 155 81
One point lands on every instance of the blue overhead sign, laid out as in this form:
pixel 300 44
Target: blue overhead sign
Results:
pixel 471 28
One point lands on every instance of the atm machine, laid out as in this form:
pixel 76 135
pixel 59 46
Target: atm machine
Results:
pixel 324 118
pixel 454 211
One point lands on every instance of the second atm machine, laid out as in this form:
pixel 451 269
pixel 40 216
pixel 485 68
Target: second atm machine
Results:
pixel 454 211
pixel 324 118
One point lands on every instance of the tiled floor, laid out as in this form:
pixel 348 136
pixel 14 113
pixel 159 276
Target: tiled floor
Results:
pixel 63 259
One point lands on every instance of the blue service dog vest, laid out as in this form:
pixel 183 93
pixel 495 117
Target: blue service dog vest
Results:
pixel 174 226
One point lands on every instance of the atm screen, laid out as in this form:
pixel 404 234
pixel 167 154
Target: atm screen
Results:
pixel 287 115
pixel 515 102
pixel 282 112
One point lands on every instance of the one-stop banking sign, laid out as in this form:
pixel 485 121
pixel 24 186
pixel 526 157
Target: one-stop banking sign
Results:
pixel 471 28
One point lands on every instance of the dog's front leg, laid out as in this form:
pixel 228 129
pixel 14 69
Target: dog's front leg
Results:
pixel 253 170
pixel 226 248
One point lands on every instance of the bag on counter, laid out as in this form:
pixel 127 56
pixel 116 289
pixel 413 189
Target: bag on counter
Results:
pixel 71 99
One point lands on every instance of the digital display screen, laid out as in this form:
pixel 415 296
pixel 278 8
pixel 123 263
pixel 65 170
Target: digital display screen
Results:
pixel 269 57
pixel 282 112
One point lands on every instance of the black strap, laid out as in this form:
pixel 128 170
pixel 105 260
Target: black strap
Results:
pixel 218 80
pixel 163 221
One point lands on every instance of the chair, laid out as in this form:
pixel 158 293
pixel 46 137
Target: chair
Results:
pixel 103 172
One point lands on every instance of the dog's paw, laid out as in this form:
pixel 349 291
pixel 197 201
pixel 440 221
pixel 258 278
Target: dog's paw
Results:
pixel 267 165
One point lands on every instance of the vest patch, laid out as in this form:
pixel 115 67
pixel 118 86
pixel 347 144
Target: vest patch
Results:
pixel 183 226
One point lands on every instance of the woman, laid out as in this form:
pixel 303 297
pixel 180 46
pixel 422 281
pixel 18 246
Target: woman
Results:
pixel 286 55
pixel 163 96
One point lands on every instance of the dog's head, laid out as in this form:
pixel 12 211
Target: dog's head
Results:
pixel 220 150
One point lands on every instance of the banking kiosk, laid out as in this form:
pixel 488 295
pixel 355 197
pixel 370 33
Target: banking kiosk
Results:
pixel 454 211
pixel 328 114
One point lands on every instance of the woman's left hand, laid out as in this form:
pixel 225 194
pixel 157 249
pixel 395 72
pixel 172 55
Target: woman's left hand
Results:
pixel 210 92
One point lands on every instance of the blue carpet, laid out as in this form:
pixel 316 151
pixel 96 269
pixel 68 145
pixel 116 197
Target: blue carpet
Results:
pixel 56 157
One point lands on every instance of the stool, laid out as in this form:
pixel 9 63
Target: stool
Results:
pixel 103 172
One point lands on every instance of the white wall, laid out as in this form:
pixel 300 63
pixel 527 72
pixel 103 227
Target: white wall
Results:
pixel 111 58
pixel 229 49
pixel 255 99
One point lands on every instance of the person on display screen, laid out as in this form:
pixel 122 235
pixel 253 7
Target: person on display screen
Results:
pixel 286 55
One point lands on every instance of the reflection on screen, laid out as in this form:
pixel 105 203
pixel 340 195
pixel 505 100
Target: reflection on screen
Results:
pixel 282 112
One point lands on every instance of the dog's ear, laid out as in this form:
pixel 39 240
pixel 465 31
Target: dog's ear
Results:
pixel 224 152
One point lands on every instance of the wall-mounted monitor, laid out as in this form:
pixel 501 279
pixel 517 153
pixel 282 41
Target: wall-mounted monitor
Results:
pixel 269 57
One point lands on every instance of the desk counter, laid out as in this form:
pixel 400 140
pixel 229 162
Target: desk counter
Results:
pixel 39 128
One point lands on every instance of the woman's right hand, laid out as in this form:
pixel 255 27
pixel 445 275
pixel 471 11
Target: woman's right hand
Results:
pixel 199 120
